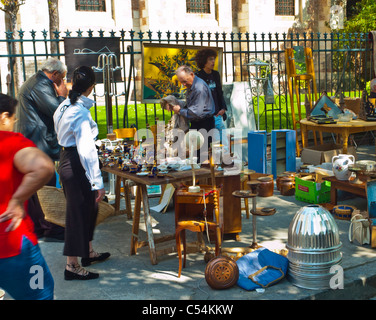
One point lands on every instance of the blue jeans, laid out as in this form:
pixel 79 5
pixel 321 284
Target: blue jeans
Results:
pixel 220 125
pixel 27 276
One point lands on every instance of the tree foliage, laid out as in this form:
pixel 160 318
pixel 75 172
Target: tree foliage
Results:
pixel 364 19
pixel 10 6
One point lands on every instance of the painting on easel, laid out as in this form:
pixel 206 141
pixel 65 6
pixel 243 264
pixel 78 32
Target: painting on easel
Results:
pixel 159 63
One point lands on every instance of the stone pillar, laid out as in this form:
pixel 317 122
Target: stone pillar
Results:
pixel 140 24
pixel 240 18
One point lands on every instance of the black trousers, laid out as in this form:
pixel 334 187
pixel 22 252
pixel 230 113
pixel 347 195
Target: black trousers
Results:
pixel 82 210
pixel 206 124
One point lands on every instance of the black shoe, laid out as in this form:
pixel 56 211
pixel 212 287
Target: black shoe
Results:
pixel 69 275
pixel 99 257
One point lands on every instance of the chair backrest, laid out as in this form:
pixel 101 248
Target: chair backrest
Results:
pixel 127 133
pixel 305 63
pixel 309 60
pixel 290 63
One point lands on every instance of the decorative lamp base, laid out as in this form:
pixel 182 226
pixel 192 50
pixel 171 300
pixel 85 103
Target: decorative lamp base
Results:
pixel 194 189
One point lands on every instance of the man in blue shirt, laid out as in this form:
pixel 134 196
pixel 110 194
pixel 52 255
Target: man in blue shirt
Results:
pixel 200 103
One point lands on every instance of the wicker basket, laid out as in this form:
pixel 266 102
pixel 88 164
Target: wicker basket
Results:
pixel 52 201
pixel 343 212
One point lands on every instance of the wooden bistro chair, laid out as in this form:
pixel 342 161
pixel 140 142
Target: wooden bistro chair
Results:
pixel 294 78
pixel 125 133
pixel 189 210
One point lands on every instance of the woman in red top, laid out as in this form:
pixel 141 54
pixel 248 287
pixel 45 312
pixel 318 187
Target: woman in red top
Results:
pixel 24 169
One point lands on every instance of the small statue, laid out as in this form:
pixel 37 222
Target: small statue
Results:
pixel 326 109
pixel 120 162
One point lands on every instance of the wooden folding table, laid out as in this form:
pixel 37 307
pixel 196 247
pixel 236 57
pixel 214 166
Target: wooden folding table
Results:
pixel 232 219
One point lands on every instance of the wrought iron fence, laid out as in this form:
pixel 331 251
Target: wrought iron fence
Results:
pixel 343 63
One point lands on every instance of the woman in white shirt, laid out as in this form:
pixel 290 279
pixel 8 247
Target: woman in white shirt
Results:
pixel 80 174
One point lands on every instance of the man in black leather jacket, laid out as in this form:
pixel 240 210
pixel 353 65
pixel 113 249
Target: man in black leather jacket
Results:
pixel 38 98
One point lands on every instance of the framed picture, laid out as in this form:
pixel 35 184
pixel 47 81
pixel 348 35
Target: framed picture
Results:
pixel 82 51
pixel 159 63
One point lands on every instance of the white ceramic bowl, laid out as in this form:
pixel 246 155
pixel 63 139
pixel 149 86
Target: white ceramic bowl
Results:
pixel 368 164
pixel 345 117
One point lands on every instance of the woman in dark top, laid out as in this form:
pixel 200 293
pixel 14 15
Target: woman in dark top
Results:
pixel 205 60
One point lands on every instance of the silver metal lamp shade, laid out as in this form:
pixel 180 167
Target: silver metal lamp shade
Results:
pixel 313 247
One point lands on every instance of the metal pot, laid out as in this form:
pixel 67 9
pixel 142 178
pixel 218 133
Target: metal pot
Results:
pixel 313 247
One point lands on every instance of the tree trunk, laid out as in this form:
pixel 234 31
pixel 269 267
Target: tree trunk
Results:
pixel 53 10
pixel 13 49
pixel 11 8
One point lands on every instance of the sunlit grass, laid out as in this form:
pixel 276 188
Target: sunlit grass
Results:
pixel 146 114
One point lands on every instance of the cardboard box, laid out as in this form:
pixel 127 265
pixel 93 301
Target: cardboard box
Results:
pixel 310 191
pixel 322 170
pixel 323 153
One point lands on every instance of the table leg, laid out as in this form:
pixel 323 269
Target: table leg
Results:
pixel 127 195
pixel 136 221
pixel 254 229
pixel 149 229
pixel 117 193
pixel 128 205
pixel 314 137
pixel 333 194
pixel 345 137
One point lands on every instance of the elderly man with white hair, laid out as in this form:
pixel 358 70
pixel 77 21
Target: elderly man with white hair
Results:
pixel 200 106
pixel 39 97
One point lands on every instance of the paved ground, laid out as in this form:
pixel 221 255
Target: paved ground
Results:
pixel 126 277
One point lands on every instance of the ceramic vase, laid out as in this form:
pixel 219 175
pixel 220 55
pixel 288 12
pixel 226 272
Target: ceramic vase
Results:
pixel 341 166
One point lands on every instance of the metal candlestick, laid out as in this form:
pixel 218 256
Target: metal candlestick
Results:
pixel 259 78
pixel 107 64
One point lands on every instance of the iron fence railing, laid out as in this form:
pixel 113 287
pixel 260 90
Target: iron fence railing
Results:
pixel 343 62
